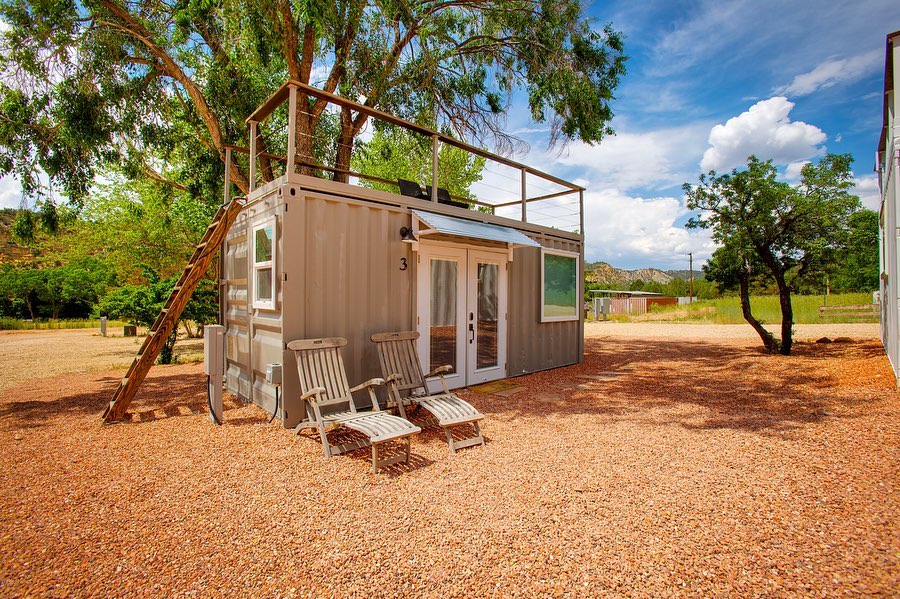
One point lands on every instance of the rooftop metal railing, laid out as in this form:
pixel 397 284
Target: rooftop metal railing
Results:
pixel 508 188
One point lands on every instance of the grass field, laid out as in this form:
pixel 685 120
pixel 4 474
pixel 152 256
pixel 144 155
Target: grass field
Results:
pixel 727 310
pixel 15 324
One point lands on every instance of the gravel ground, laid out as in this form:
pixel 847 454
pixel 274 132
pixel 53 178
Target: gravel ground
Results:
pixel 36 354
pixel 701 467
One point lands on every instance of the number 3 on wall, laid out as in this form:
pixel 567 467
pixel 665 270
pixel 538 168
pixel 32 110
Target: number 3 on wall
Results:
pixel 403 264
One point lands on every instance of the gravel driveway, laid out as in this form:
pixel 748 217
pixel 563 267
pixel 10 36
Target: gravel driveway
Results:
pixel 678 465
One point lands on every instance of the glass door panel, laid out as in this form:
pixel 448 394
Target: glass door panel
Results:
pixel 444 296
pixel 486 315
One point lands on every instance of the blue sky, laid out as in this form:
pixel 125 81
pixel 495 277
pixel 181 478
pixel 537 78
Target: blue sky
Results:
pixel 708 83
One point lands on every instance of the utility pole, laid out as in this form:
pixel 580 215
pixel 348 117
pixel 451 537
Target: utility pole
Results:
pixel 691 278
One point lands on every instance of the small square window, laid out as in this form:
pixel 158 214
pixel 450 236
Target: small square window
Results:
pixel 264 265
pixel 559 286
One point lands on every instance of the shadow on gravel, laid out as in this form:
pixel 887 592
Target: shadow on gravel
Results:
pixel 364 454
pixel 160 397
pixel 695 384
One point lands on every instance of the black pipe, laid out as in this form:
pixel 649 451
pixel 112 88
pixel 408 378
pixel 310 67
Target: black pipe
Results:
pixel 209 400
pixel 275 411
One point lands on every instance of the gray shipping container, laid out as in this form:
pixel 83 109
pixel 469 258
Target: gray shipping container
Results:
pixel 340 268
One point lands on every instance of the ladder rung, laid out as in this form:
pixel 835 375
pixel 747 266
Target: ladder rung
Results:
pixel 202 245
pixel 190 266
pixel 213 224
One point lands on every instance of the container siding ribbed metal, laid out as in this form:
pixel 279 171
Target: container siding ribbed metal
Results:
pixel 339 273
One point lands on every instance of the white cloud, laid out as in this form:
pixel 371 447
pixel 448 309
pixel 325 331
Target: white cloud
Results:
pixel 765 130
pixel 647 160
pixel 867 190
pixel 833 72
pixel 634 232
pixel 10 193
pixel 530 130
pixel 793 171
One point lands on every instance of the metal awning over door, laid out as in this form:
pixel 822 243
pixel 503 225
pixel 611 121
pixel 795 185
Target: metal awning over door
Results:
pixel 460 227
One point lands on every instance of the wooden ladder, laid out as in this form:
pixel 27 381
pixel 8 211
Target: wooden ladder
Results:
pixel 171 311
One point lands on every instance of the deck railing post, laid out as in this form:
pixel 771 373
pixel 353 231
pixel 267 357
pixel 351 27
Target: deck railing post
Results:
pixel 292 132
pixel 227 175
pixel 581 212
pixel 524 196
pixel 253 128
pixel 434 167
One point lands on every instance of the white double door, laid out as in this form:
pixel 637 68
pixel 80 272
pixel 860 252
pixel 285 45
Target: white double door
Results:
pixel 462 313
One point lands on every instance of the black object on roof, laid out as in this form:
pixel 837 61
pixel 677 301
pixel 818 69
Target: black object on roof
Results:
pixel 444 197
pixel 411 189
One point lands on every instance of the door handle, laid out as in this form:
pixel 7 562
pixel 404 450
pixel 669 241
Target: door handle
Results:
pixel 471 333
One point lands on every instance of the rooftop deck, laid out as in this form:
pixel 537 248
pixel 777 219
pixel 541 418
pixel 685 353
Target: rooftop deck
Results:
pixel 505 188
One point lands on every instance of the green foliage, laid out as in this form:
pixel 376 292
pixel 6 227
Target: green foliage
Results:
pixel 140 305
pixel 68 291
pixel 137 225
pixel 157 89
pixel 23 227
pixel 395 153
pixel 768 228
pixel 857 269
pixel 203 308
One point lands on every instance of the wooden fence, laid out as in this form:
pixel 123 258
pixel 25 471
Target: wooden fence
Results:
pixel 636 306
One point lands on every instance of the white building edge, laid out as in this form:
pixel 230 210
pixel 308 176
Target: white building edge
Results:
pixel 887 165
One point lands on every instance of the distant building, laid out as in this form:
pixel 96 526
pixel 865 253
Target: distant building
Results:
pixel 887 165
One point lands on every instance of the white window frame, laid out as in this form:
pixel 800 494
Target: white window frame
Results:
pixel 577 257
pixel 268 264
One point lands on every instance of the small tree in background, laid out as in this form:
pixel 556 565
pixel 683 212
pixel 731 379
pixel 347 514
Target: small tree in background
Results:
pixel 769 226
pixel 140 305
pixel 858 267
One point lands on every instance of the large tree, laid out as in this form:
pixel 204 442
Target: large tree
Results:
pixel 763 224
pixel 160 88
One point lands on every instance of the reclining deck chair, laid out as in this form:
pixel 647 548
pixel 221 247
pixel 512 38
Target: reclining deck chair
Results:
pixel 398 356
pixel 323 383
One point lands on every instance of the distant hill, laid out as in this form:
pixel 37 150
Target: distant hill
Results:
pixel 685 274
pixel 602 273
pixel 10 251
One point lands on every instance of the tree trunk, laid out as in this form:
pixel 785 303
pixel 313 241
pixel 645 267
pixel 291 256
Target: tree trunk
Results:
pixel 787 315
pixel 28 304
pixel 167 353
pixel 306 126
pixel 769 341
pixel 344 150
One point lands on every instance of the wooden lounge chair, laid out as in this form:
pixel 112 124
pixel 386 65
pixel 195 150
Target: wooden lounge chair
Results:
pixel 406 384
pixel 323 383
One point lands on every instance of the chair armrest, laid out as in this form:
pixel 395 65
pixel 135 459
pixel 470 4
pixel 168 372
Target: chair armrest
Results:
pixel 368 383
pixel 394 378
pixel 313 393
pixel 439 370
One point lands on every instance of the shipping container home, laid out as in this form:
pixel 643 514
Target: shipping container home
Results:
pixel 887 166
pixel 493 284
